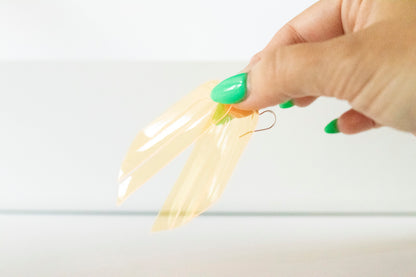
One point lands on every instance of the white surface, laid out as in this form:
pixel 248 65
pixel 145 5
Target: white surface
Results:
pixel 209 246
pixel 67 126
pixel 159 30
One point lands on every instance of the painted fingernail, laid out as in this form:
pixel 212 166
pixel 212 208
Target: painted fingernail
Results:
pixel 231 90
pixel 332 127
pixel 287 104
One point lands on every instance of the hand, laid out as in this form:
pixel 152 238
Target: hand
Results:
pixel 360 51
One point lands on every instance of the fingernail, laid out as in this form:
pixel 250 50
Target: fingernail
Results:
pixel 287 104
pixel 231 90
pixel 332 127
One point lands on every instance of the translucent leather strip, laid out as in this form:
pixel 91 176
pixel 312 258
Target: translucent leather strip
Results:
pixel 207 171
pixel 165 138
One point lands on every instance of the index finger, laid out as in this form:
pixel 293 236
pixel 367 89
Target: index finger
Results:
pixel 319 22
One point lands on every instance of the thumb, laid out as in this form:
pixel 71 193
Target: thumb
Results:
pixel 286 72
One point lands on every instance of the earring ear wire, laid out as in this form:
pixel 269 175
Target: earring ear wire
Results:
pixel 263 129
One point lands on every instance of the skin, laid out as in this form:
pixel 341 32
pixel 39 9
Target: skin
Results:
pixel 360 51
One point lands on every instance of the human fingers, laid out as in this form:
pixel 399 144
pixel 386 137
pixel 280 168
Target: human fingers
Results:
pixel 351 122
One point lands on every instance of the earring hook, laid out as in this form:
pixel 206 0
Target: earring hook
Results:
pixel 263 129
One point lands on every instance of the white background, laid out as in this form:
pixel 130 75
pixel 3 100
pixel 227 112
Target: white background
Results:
pixel 67 125
pixel 191 30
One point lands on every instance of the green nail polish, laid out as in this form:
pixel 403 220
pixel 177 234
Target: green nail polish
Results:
pixel 332 127
pixel 231 90
pixel 220 115
pixel 287 104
